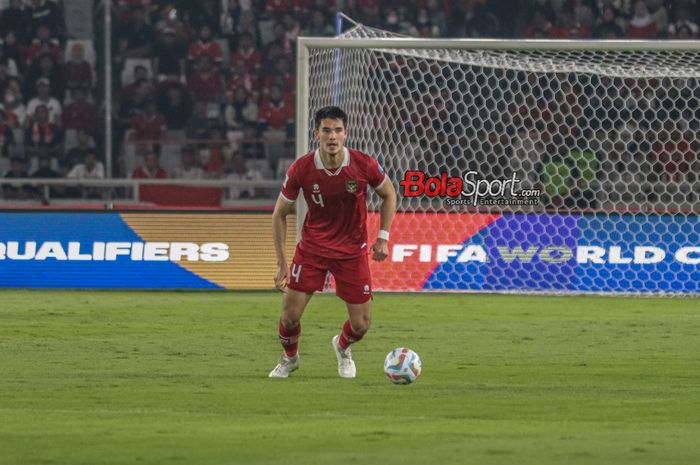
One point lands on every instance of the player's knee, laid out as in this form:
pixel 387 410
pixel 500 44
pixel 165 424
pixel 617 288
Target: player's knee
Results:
pixel 291 315
pixel 361 325
pixel 289 323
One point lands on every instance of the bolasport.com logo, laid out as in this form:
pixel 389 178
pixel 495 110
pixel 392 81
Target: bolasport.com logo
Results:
pixel 469 190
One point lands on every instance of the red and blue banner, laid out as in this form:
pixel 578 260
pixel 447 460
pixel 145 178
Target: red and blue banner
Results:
pixel 427 252
pixel 541 252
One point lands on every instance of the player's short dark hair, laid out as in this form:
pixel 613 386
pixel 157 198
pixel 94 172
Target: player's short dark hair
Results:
pixel 330 113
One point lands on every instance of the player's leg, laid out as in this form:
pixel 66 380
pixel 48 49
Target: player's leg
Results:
pixel 353 285
pixel 293 305
pixel 306 276
pixel 357 325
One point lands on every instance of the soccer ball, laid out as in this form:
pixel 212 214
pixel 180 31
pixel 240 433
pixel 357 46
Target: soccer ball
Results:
pixel 402 366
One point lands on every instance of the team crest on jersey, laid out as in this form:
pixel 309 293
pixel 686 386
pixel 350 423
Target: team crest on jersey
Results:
pixel 351 186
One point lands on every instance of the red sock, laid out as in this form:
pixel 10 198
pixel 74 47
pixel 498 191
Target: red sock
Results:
pixel 348 336
pixel 290 339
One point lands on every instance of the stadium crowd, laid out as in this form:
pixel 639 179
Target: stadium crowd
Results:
pixel 205 90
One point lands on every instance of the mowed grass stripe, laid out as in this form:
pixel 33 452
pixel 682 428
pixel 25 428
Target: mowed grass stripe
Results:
pixel 178 377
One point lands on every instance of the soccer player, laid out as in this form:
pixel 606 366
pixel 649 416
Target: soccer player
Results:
pixel 333 239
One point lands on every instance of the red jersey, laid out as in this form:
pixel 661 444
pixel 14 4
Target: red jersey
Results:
pixel 211 48
pixel 141 172
pixel 207 87
pixel 251 57
pixel 335 225
pixel 148 128
pixel 80 115
pixel 276 114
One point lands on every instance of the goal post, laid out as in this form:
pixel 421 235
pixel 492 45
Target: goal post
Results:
pixel 522 165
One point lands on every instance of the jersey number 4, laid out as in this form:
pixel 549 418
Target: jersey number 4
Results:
pixel 296 272
pixel 317 200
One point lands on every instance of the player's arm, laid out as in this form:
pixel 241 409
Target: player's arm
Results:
pixel 279 234
pixel 387 193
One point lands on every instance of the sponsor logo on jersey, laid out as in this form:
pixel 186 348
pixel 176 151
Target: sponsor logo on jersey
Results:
pixel 317 189
pixel 366 289
pixel 351 186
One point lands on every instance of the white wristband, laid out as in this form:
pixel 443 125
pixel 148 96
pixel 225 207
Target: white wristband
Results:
pixel 383 235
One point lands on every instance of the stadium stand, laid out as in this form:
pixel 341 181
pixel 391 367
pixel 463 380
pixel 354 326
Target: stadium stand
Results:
pixel 184 72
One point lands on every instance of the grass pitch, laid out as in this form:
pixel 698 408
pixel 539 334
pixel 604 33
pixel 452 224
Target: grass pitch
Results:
pixel 181 378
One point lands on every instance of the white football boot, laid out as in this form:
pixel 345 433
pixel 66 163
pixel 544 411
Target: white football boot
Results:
pixel 346 365
pixel 285 366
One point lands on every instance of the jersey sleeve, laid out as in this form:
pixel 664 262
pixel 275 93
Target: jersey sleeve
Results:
pixel 375 174
pixel 291 184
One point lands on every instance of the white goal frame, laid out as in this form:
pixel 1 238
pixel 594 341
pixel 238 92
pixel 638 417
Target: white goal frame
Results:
pixel 304 44
pixel 413 46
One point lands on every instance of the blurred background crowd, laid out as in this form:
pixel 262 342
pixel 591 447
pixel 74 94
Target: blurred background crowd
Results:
pixel 205 89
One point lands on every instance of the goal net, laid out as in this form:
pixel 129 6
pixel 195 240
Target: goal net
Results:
pixel 523 166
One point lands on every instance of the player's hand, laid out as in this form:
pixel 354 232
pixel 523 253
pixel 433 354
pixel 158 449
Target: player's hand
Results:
pixel 380 250
pixel 281 277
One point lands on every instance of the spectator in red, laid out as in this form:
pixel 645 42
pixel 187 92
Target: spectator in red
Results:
pixel 247 53
pixel 281 74
pixel 205 46
pixel 641 26
pixel 206 83
pixel 42 136
pixel 241 78
pixel 276 120
pixel 275 113
pixel 80 114
pixel 214 167
pixel 42 44
pixel 77 70
pixel 148 125
pixel 568 28
pixel 150 169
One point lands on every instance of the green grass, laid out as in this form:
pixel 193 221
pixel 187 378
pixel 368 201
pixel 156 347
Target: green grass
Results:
pixel 181 378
